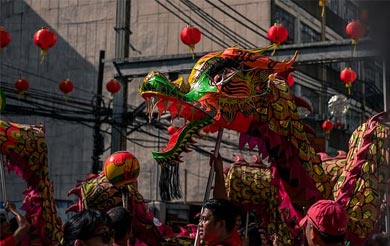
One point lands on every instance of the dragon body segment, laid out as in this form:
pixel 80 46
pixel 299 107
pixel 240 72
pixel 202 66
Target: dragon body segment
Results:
pixel 361 185
pixel 26 151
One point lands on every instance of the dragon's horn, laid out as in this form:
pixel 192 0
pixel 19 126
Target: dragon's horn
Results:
pixel 73 208
pixel 300 102
pixel 309 130
pixel 75 191
pixel 283 66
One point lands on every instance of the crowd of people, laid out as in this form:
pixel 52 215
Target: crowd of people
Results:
pixel 220 224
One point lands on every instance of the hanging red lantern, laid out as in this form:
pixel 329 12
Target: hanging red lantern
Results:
pixel 339 124
pixel 44 39
pixel 277 34
pixel 322 4
pixel 348 76
pixel 327 126
pixel 22 85
pixel 190 36
pixel 290 79
pixel 5 38
pixel 66 86
pixel 113 86
pixel 355 30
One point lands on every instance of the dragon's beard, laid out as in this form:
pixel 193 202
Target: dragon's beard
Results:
pixel 169 157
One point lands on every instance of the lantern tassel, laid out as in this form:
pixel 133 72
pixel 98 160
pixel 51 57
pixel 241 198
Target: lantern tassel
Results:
pixel 44 53
pixel 354 43
pixel 192 48
pixel 21 95
pixel 322 3
pixel 277 45
pixel 349 85
pixel 327 135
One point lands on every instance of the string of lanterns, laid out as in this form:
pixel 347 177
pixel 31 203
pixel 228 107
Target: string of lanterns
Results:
pixel 45 39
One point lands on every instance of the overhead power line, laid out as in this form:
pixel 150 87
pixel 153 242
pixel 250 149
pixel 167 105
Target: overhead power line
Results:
pixel 205 32
pixel 225 30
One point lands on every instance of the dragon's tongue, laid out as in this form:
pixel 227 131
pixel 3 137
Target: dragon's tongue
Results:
pixel 179 140
pixel 174 139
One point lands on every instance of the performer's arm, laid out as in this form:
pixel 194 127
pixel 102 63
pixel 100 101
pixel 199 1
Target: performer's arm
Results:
pixel 23 225
pixel 219 191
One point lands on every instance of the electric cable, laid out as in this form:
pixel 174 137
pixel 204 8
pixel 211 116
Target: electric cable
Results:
pixel 225 30
pixel 205 32
pixel 237 20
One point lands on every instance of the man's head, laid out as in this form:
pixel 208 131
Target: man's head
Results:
pixel 121 220
pixel 89 227
pixel 217 220
pixel 327 221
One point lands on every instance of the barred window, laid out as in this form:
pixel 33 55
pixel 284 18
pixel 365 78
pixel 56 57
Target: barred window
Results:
pixel 308 34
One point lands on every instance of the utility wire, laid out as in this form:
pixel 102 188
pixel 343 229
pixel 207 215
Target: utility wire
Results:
pixel 39 76
pixel 225 30
pixel 245 18
pixel 237 20
pixel 205 32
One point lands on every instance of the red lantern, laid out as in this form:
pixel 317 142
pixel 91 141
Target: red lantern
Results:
pixel 290 80
pixel 5 38
pixel 113 86
pixel 44 39
pixel 348 76
pixel 22 85
pixel 66 86
pixel 339 124
pixel 190 36
pixel 277 34
pixel 355 30
pixel 327 126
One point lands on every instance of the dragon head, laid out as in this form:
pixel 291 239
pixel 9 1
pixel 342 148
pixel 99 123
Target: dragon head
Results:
pixel 231 89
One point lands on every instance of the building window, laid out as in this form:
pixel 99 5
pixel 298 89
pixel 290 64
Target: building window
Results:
pixel 287 20
pixel 308 34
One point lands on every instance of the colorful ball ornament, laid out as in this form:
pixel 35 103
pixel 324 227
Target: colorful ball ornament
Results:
pixel 121 168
